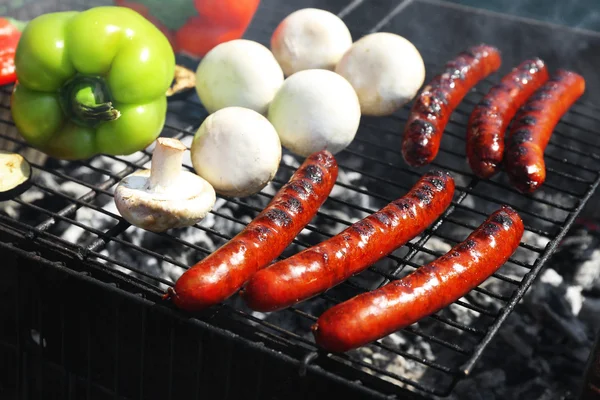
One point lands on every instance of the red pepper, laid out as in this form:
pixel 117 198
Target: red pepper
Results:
pixel 198 36
pixel 10 33
pixel 219 21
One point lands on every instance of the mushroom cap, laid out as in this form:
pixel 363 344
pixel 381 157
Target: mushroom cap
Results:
pixel 239 73
pixel 183 203
pixel 385 69
pixel 237 150
pixel 310 39
pixel 315 109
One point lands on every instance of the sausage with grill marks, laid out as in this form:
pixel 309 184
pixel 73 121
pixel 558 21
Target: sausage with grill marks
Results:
pixel 373 315
pixel 490 118
pixel 222 273
pixel 436 102
pixel 532 128
pixel 329 263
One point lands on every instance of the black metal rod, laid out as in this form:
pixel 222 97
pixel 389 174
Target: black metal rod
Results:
pixel 117 354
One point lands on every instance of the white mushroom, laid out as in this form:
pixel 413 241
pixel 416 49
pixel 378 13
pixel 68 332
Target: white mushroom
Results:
pixel 310 39
pixel 314 110
pixel 165 196
pixel 237 150
pixel 385 69
pixel 238 73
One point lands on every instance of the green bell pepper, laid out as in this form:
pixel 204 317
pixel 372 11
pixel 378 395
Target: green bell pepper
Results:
pixel 91 82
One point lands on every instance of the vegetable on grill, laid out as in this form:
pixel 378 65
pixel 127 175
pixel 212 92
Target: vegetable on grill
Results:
pixel 10 33
pixel 237 151
pixel 239 73
pixel 164 197
pixel 15 175
pixel 315 109
pixel 385 69
pixel 91 82
pixel 308 39
pixel 219 21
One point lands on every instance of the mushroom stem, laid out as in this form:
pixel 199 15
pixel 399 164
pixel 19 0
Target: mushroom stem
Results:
pixel 166 163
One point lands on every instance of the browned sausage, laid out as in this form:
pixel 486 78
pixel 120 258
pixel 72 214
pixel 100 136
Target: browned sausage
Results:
pixel 532 128
pixel 222 273
pixel 432 108
pixel 490 118
pixel 373 315
pixel 331 262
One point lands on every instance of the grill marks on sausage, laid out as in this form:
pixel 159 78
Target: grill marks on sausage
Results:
pixel 291 205
pixel 307 186
pixel 262 233
pixel 490 118
pixel 363 228
pixel 503 218
pixel 306 274
pixel 314 173
pixel 532 128
pixel 223 272
pixel 527 120
pixel 373 315
pixel 467 245
pixel 490 228
pixel 522 136
pixel 437 183
pixel 279 217
pixel 302 188
pixel 384 218
pixel 432 108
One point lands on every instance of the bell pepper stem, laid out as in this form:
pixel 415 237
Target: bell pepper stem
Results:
pixel 101 112
pixel 166 164
pixel 87 100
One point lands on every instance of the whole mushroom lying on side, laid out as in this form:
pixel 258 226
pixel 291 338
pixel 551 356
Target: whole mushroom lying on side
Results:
pixel 237 151
pixel 164 197
pixel 385 69
pixel 310 39
pixel 238 73
pixel 315 109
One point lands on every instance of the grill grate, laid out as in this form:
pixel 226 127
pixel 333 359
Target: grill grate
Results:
pixel 372 174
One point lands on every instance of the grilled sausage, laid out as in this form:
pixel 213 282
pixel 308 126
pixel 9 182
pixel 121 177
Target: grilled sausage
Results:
pixel 373 315
pixel 490 118
pixel 432 108
pixel 329 263
pixel 531 130
pixel 222 273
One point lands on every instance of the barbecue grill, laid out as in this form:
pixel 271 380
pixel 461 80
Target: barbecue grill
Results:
pixel 82 317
